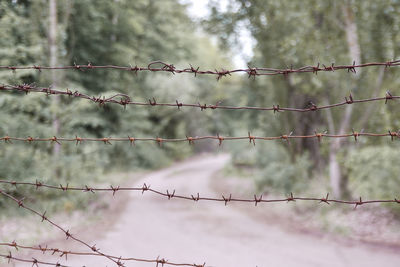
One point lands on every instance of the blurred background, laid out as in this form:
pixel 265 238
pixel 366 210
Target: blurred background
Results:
pixel 211 35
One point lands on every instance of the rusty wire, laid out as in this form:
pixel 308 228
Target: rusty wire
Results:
pixel 250 71
pixel 252 139
pixel 65 253
pixel 126 100
pixel 33 261
pixel 68 234
pixel 172 194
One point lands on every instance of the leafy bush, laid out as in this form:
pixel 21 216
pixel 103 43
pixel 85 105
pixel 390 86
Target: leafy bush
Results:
pixel 278 172
pixel 374 172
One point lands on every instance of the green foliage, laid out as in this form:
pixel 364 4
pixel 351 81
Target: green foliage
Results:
pixel 279 173
pixel 373 172
pixel 302 33
pixel 100 32
pixel 272 167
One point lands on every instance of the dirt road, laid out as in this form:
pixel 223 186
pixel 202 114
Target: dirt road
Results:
pixel 184 231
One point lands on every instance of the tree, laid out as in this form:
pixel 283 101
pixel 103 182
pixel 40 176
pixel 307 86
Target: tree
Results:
pixel 305 33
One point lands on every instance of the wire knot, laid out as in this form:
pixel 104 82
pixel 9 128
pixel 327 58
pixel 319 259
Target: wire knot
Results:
pixel 194 70
pixel 64 188
pixel 145 187
pixel 154 103
pixel 106 140
pixel 131 140
pixel 355 134
pixel 190 140
pixel 325 199
pixel 275 108
pixel 54 139
pixel 352 68
pixel 162 261
pixel 202 106
pixel 286 137
pixel 159 141
pixel 388 96
pixel 135 69
pixel 88 189
pixel 226 200
pixel 222 73
pixel 358 203
pixel 114 189
pixel 252 139
pixel 37 68
pixel 178 104
pixel 196 198
pixel 319 135
pixel 14 244
pixel 316 69
pixel 170 195
pixel 350 100
pixel 44 218
pixel 394 134
pixel 7 139
pixel 252 72
pixel 78 140
pixel 291 198
pixel 220 139
pixel 38 184
pixel 257 200
pixel 331 68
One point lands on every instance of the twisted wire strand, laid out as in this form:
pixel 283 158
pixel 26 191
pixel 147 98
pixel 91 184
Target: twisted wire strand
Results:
pixel 65 253
pixel 35 262
pixel 124 100
pixel 252 139
pixel 94 249
pixel 196 197
pixel 159 66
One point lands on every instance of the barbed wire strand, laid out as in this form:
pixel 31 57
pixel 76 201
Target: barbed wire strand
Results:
pixel 66 232
pixel 252 139
pixel 125 100
pixel 172 194
pixel 116 260
pixel 250 71
pixel 34 261
pixel 65 253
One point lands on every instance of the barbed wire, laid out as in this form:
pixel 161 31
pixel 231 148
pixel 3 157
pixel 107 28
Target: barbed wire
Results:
pixel 250 71
pixel 68 234
pixel 126 100
pixel 65 253
pixel 172 194
pixel 191 140
pixel 34 261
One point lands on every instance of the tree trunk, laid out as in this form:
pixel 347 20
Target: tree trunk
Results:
pixel 52 39
pixel 334 172
pixel 355 54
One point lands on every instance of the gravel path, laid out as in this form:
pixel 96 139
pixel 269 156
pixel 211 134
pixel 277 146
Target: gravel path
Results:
pixel 184 231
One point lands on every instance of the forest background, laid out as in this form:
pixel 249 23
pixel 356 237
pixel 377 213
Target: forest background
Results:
pixel 286 33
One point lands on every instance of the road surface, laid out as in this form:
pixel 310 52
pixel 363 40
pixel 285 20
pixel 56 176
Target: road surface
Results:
pixel 222 236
